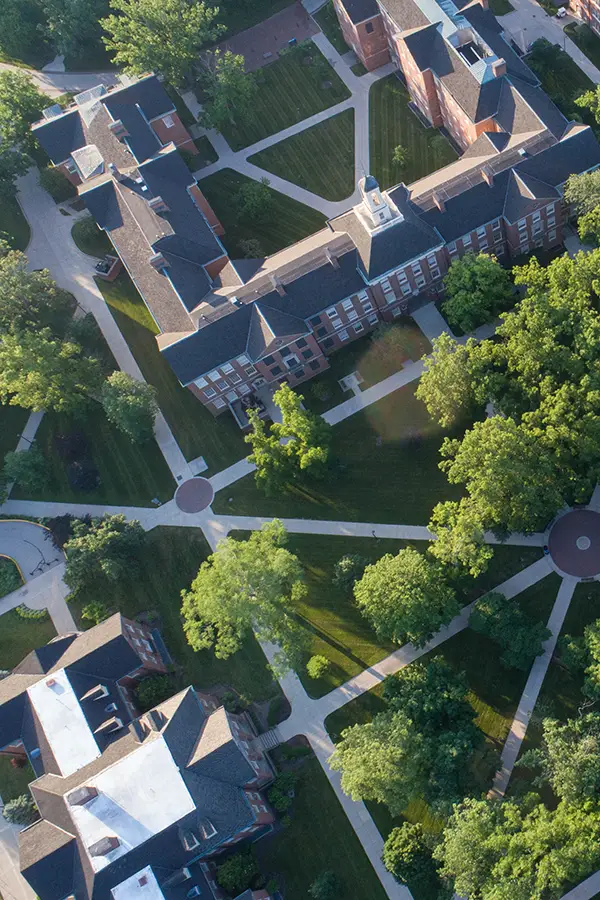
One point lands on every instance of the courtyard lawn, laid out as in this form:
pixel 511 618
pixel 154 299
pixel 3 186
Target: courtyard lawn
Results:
pixel 12 422
pixel 13 224
pixel 130 474
pixel 13 781
pixel 375 356
pixel 170 562
pixel 564 81
pixel 327 21
pixel 386 471
pixel 501 7
pixel 392 123
pixel 206 151
pixel 287 222
pixel 318 839
pixel 197 432
pixel 298 85
pixel 93 242
pixel 320 159
pixel 18 637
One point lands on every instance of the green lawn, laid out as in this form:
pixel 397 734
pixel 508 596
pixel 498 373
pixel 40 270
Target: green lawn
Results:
pixel 298 85
pixel 387 471
pixel 94 242
pixel 331 143
pixel 197 432
pixel 288 221
pixel 393 123
pixel 14 782
pixel 171 559
pixel 13 224
pixel 327 21
pixel 319 839
pixel 358 69
pixel 375 356
pixel 494 695
pixel 501 7
pixel 206 151
pixel 582 35
pixel 12 422
pixel 563 81
pixel 130 474
pixel 18 637
pixel 10 577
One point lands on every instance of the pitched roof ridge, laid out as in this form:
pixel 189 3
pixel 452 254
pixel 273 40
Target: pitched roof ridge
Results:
pixel 257 307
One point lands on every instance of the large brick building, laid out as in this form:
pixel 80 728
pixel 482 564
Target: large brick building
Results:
pixel 233 330
pixel 132 807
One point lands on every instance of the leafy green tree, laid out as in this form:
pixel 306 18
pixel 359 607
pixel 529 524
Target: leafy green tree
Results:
pixel 407 855
pixel 230 91
pixel 22 21
pixel 95 612
pixel 569 758
pixel 237 873
pixel 29 468
pixel 381 761
pixel 317 666
pixel 72 26
pixel 590 100
pixel 40 373
pixel 273 468
pixel 21 105
pixel 10 580
pixel 582 192
pixel 253 202
pixel 106 549
pixel 12 164
pixel 348 570
pixel 504 622
pixel 460 537
pixel 401 156
pixel 406 597
pixel 326 886
pixel 244 586
pixel 20 811
pixel 154 690
pixel 30 300
pixel 588 227
pixel 130 405
pixel 446 385
pixel 477 289
pixel 161 35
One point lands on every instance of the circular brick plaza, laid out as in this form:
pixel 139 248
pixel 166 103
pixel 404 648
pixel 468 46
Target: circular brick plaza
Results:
pixel 574 543
pixel 194 495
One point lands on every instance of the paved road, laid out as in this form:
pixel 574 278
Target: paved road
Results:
pixel 56 83
pixel 29 546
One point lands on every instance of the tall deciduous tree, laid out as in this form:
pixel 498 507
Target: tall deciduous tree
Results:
pixel 229 88
pixel 407 855
pixel 72 26
pixel 569 758
pixel 161 35
pixel 21 104
pixel 406 597
pixel 130 405
pixel 12 164
pixel 245 586
pixel 39 373
pixel 254 201
pixel 106 548
pixel 460 537
pixel 29 468
pixel 477 289
pixel 504 621
pixel 30 299
pixel 446 385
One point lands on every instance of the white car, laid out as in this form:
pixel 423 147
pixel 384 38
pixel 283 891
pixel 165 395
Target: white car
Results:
pixel 561 12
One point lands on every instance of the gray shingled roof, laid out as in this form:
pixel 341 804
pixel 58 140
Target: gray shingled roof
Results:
pixel 359 10
pixel 405 13
pixel 523 195
pixel 47 856
pixel 60 136
pixel 271 329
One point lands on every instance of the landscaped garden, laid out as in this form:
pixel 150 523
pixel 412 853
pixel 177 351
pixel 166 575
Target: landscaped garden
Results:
pixel 90 239
pixel 287 220
pixel 320 159
pixel 298 85
pixel 393 124
pixel 197 432
pixel 387 471
pixel 10 577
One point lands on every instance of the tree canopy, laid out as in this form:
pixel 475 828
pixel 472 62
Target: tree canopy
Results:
pixel 247 586
pixel 30 299
pixel 72 26
pixel 161 35
pixel 130 405
pixel 229 89
pixel 21 104
pixel 477 289
pixel 406 597
pixel 569 758
pixel 106 548
pixel 504 622
pixel 407 855
pixel 446 385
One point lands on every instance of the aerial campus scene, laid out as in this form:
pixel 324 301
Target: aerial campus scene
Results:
pixel 300 449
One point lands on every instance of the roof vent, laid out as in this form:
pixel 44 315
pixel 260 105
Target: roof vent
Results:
pixel 82 795
pixel 51 112
pixel 158 205
pixel 235 301
pixel 158 261
pixel 104 846
pixel 143 880
pixel 50 682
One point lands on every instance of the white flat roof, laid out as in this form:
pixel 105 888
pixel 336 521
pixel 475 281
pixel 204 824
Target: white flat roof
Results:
pixel 138 797
pixel 72 743
pixel 141 886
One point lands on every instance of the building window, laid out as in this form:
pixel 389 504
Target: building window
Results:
pixel 245 389
pixel 235 378
pixel 467 241
pixel 337 323
pixel 306 354
pixel 168 120
pixel 347 305
pixel 231 396
pixel 358 327
pixel 268 360
pixel 396 312
pixel 550 208
pixel 496 225
pixel 435 272
pixel 420 282
pixel 363 297
pixel 201 382
pixel 276 370
pixel 352 315
pixel 332 312
pixel 243 360
pixel 210 392
pixel 291 361
pixel 452 247
pixel 343 335
pixel 552 235
pixel 316 320
pixel 417 270
pixel 219 403
pixel 250 371
pixel 368 306
pixel 551 221
pixel 328 343
pixel 227 369
pixel 522 224
pixel 222 385
pixel 213 376
pixel 369 28
pixel 301 343
pixel 321 332
pixel 299 373
pixel 373 319
pixel 481 232
pixel 406 289
pixel 314 365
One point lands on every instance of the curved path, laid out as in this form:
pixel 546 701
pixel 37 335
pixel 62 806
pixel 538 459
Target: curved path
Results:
pixel 29 545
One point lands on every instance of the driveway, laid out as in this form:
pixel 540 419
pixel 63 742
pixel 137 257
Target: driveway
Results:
pixel 56 83
pixel 261 44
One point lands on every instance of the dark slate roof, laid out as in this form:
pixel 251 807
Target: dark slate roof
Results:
pixel 185 719
pixel 95 710
pixel 148 93
pixel 513 114
pixel 271 329
pixel 523 194
pixel 227 337
pixel 216 754
pixel 577 152
pixel 359 10
pixel 543 106
pixel 488 27
pixel 41 660
pixel 101 201
pixel 420 44
pixel 391 246
pixel 12 710
pixel 47 856
pixel 60 136
pixel 102 652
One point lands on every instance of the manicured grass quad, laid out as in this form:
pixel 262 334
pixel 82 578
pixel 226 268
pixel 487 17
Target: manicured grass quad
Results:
pixel 298 85
pixel 393 123
pixel 94 243
pixel 320 159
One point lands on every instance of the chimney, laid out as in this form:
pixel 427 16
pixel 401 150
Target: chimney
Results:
pixel 276 282
pixel 331 258
pixel 115 172
pixel 158 205
pixel 118 130
pixel 158 261
pixel 439 201
pixel 104 846
pixel 82 795
pixel 487 175
pixel 499 68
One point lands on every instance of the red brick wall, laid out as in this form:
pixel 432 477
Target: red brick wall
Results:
pixel 370 47
pixel 213 268
pixel 177 133
pixel 73 177
pixel 203 204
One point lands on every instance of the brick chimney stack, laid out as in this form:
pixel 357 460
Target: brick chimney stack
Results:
pixel 499 68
